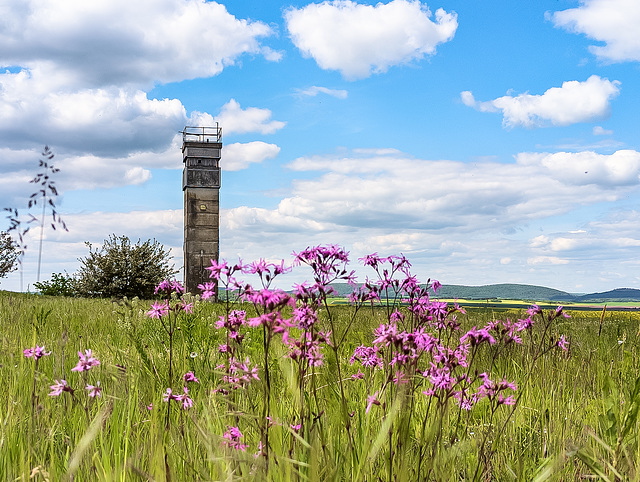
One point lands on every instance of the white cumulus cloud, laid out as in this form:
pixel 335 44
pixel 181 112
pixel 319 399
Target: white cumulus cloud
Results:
pixel 560 106
pixel 76 75
pixel 591 251
pixel 451 218
pixel 547 260
pixel 358 40
pixel 461 197
pixel 622 168
pixel 601 131
pixel 237 120
pixel 107 42
pixel 105 138
pixel 315 90
pixel 614 22
pixel 106 121
pixel 239 156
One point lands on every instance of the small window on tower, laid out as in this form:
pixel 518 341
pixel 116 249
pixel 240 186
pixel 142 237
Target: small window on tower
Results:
pixel 203 207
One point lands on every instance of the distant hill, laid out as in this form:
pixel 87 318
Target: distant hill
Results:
pixel 504 291
pixel 512 291
pixel 619 294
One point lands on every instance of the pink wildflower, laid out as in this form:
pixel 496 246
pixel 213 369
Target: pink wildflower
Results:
pixel 502 400
pixel 86 362
pixel 534 310
pixel 240 374
pixel 305 317
pixel 190 377
pixel 235 319
pixel 465 402
pixel 493 390
pixel 187 402
pixel 59 387
pixel 396 317
pixel 435 286
pixel 37 352
pixel 372 400
pixel 158 309
pixel 367 356
pixel 372 260
pixel 526 323
pixel 386 334
pixel 168 396
pixel 260 451
pixel 184 398
pixel 169 286
pixel 400 378
pixel 216 269
pixel 477 336
pixel 232 439
pixel 440 377
pixel 563 343
pixel 94 390
pixel 208 290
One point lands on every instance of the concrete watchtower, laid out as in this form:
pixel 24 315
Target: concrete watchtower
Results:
pixel 201 149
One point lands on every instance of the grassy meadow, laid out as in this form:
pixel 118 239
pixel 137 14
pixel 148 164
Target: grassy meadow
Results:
pixel 575 416
pixel 568 424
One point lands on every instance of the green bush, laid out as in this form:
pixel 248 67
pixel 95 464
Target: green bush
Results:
pixel 120 268
pixel 9 253
pixel 59 285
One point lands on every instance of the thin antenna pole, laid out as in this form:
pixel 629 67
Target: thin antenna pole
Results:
pixel 44 205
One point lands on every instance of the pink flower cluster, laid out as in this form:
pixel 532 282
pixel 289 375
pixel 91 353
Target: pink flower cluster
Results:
pixel 232 438
pixel 371 401
pixel 329 264
pixel 159 309
pixel 224 274
pixel 270 300
pixel 298 333
pixel 208 290
pixel 492 390
pixel 367 356
pixel 94 390
pixel 239 374
pixel 182 398
pixel 307 346
pixel 406 346
pixel 419 337
pixel 233 322
pixel 58 387
pixel 162 308
pixel 190 377
pixel 87 362
pixel 167 287
pixel 36 352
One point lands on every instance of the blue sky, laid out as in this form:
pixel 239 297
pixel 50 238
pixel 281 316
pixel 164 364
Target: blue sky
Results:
pixel 489 142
